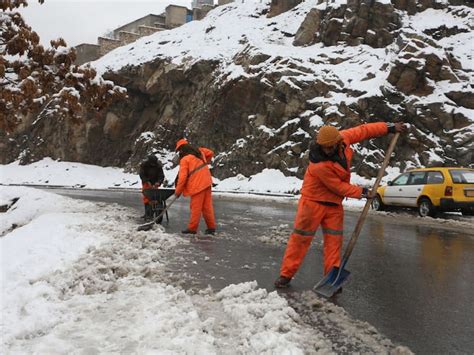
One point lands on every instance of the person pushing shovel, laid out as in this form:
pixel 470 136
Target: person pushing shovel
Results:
pixel 195 180
pixel 326 183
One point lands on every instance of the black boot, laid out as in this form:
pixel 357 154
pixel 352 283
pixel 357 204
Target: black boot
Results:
pixel 159 209
pixel 210 231
pixel 282 282
pixel 148 212
pixel 187 231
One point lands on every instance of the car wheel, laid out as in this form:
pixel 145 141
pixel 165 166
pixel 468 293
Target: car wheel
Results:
pixel 426 208
pixel 468 212
pixel 377 203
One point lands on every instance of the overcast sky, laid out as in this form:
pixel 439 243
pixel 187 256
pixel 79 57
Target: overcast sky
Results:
pixel 79 21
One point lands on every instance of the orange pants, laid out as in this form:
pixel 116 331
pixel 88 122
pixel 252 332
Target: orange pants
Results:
pixel 310 215
pixel 201 203
pixel 146 185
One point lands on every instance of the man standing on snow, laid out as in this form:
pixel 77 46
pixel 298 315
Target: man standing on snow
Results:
pixel 326 183
pixel 195 180
pixel 152 176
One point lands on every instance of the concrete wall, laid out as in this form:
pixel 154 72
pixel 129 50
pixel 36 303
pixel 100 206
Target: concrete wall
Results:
pixel 175 16
pixel 199 3
pixel 160 21
pixel 148 30
pixel 200 12
pixel 107 44
pixel 127 37
pixel 277 7
pixel 148 20
pixel 86 52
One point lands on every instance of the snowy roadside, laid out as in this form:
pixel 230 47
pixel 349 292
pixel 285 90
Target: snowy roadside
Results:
pixel 268 185
pixel 77 277
pixel 48 172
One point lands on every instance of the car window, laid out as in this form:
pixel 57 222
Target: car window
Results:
pixel 417 178
pixel 435 177
pixel 401 180
pixel 462 176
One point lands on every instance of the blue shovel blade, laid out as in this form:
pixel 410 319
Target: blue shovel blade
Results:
pixel 329 285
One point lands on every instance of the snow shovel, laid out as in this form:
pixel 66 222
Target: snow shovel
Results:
pixel 337 276
pixel 149 225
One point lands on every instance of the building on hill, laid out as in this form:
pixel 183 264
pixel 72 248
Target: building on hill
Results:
pixel 86 52
pixel 200 3
pixel 174 16
pixel 177 16
pixel 120 36
pixel 200 12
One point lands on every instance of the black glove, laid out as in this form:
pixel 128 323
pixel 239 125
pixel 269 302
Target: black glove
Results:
pixel 366 193
pixel 391 127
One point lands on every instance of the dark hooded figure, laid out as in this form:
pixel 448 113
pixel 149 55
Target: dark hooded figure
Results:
pixel 151 174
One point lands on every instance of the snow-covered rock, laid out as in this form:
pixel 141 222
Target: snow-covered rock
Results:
pixel 255 88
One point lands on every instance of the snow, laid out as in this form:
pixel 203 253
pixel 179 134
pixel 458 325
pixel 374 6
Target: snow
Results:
pixel 432 18
pixel 48 172
pixel 267 181
pixel 238 31
pixel 78 278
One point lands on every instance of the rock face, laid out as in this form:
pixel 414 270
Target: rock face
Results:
pixel 277 7
pixel 266 117
pixel 358 22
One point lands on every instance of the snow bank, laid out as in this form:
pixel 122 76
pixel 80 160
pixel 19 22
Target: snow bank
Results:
pixel 78 278
pixel 50 172
pixel 267 181
pixel 41 232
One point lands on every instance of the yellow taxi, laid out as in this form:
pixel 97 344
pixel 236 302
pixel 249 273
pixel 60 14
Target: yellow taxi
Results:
pixel 430 190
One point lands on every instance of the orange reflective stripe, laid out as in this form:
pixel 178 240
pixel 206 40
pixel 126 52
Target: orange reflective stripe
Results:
pixel 197 169
pixel 304 233
pixel 332 231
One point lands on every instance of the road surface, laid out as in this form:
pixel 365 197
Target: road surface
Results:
pixel 412 279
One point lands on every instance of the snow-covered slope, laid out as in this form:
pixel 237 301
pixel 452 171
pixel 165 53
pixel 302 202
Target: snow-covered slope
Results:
pixel 255 88
pixel 247 44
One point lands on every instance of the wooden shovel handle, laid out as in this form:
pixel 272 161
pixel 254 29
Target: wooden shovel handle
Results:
pixel 361 220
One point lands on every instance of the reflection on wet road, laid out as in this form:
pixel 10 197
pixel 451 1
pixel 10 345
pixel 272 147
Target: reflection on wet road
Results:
pixel 413 283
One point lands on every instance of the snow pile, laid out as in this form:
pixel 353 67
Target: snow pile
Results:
pixel 50 172
pixel 78 277
pixel 78 273
pixel 40 232
pixel 267 181
pixel 266 323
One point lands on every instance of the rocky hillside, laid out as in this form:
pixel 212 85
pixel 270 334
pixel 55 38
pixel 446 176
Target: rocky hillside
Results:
pixel 255 88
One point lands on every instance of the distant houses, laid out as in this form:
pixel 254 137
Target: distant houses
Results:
pixel 174 16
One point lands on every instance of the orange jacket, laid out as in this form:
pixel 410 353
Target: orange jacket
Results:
pixel 328 181
pixel 194 175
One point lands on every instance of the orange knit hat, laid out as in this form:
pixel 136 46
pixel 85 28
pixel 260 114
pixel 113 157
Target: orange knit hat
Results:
pixel 181 142
pixel 328 135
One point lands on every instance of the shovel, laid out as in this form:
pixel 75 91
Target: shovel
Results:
pixel 337 276
pixel 149 225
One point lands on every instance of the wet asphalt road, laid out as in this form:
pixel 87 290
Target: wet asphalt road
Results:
pixel 413 282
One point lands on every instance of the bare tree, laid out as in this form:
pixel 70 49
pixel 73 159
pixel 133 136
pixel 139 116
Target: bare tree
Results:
pixel 44 81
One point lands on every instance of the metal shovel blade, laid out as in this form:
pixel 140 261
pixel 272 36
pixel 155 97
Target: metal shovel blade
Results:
pixel 149 225
pixel 332 282
pixel 146 226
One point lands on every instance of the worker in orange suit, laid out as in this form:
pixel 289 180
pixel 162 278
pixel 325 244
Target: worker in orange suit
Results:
pixel 194 179
pixel 326 183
